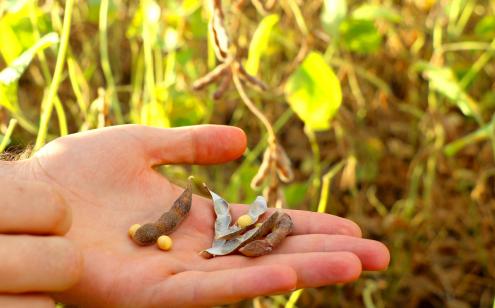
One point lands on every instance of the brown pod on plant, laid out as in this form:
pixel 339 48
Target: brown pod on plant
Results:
pixel 250 79
pixel 216 74
pixel 283 164
pixel 148 234
pixel 218 32
pixel 263 170
pixel 223 86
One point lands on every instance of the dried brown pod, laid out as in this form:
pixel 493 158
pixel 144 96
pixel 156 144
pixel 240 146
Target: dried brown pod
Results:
pixel 218 32
pixel 148 233
pixel 216 74
pixel 250 79
pixel 283 227
pixel 271 194
pixel 283 164
pixel 223 86
pixel 263 170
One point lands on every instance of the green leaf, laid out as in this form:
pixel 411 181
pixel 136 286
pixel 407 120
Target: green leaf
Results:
pixel 5 140
pixel 360 36
pixel 444 81
pixel 332 15
pixel 375 12
pixel 259 43
pixel 12 73
pixel 313 92
pixel 486 27
pixel 295 194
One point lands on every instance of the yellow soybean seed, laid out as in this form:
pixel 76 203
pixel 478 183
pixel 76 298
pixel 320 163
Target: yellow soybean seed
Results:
pixel 164 242
pixel 244 221
pixel 133 228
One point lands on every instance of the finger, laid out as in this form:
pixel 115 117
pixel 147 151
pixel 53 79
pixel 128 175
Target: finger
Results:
pixel 306 222
pixel 36 263
pixel 202 144
pixel 28 300
pixel 32 207
pixel 223 287
pixel 372 254
pixel 314 269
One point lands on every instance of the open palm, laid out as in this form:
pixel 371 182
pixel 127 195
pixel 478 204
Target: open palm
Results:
pixel 108 179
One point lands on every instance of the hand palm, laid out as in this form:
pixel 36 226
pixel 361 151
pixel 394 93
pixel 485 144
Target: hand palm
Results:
pixel 107 178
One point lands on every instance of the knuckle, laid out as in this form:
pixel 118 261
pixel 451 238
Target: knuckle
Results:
pixel 60 212
pixel 69 262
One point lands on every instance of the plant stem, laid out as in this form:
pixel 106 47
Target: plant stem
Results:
pixel 315 148
pixel 47 104
pixel 6 138
pixel 327 178
pixel 253 108
pixel 479 135
pixel 105 62
pixel 62 120
pixel 478 65
pixel 294 296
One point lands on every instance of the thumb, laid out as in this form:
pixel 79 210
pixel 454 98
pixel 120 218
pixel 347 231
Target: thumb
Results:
pixel 201 144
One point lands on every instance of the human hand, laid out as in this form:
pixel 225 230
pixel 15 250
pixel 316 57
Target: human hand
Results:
pixel 35 257
pixel 107 177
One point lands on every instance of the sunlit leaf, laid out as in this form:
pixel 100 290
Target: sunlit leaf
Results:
pixel 259 43
pixel 16 30
pixel 376 12
pixel 189 6
pixel 333 13
pixel 360 36
pixel 444 81
pixel 154 115
pixel 12 6
pixel 13 72
pixel 486 27
pixel 313 92
pixel 10 46
pixel 8 97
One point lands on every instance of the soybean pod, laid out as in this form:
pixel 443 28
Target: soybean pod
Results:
pixel 148 233
pixel 282 228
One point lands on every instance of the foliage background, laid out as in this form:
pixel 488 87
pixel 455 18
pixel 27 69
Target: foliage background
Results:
pixel 406 150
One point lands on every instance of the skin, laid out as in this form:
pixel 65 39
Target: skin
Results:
pixel 96 184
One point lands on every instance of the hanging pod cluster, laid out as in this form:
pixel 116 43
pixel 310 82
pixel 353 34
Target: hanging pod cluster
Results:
pixel 276 166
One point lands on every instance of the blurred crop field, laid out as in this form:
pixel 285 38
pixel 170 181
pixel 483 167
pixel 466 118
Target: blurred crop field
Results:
pixel 385 108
